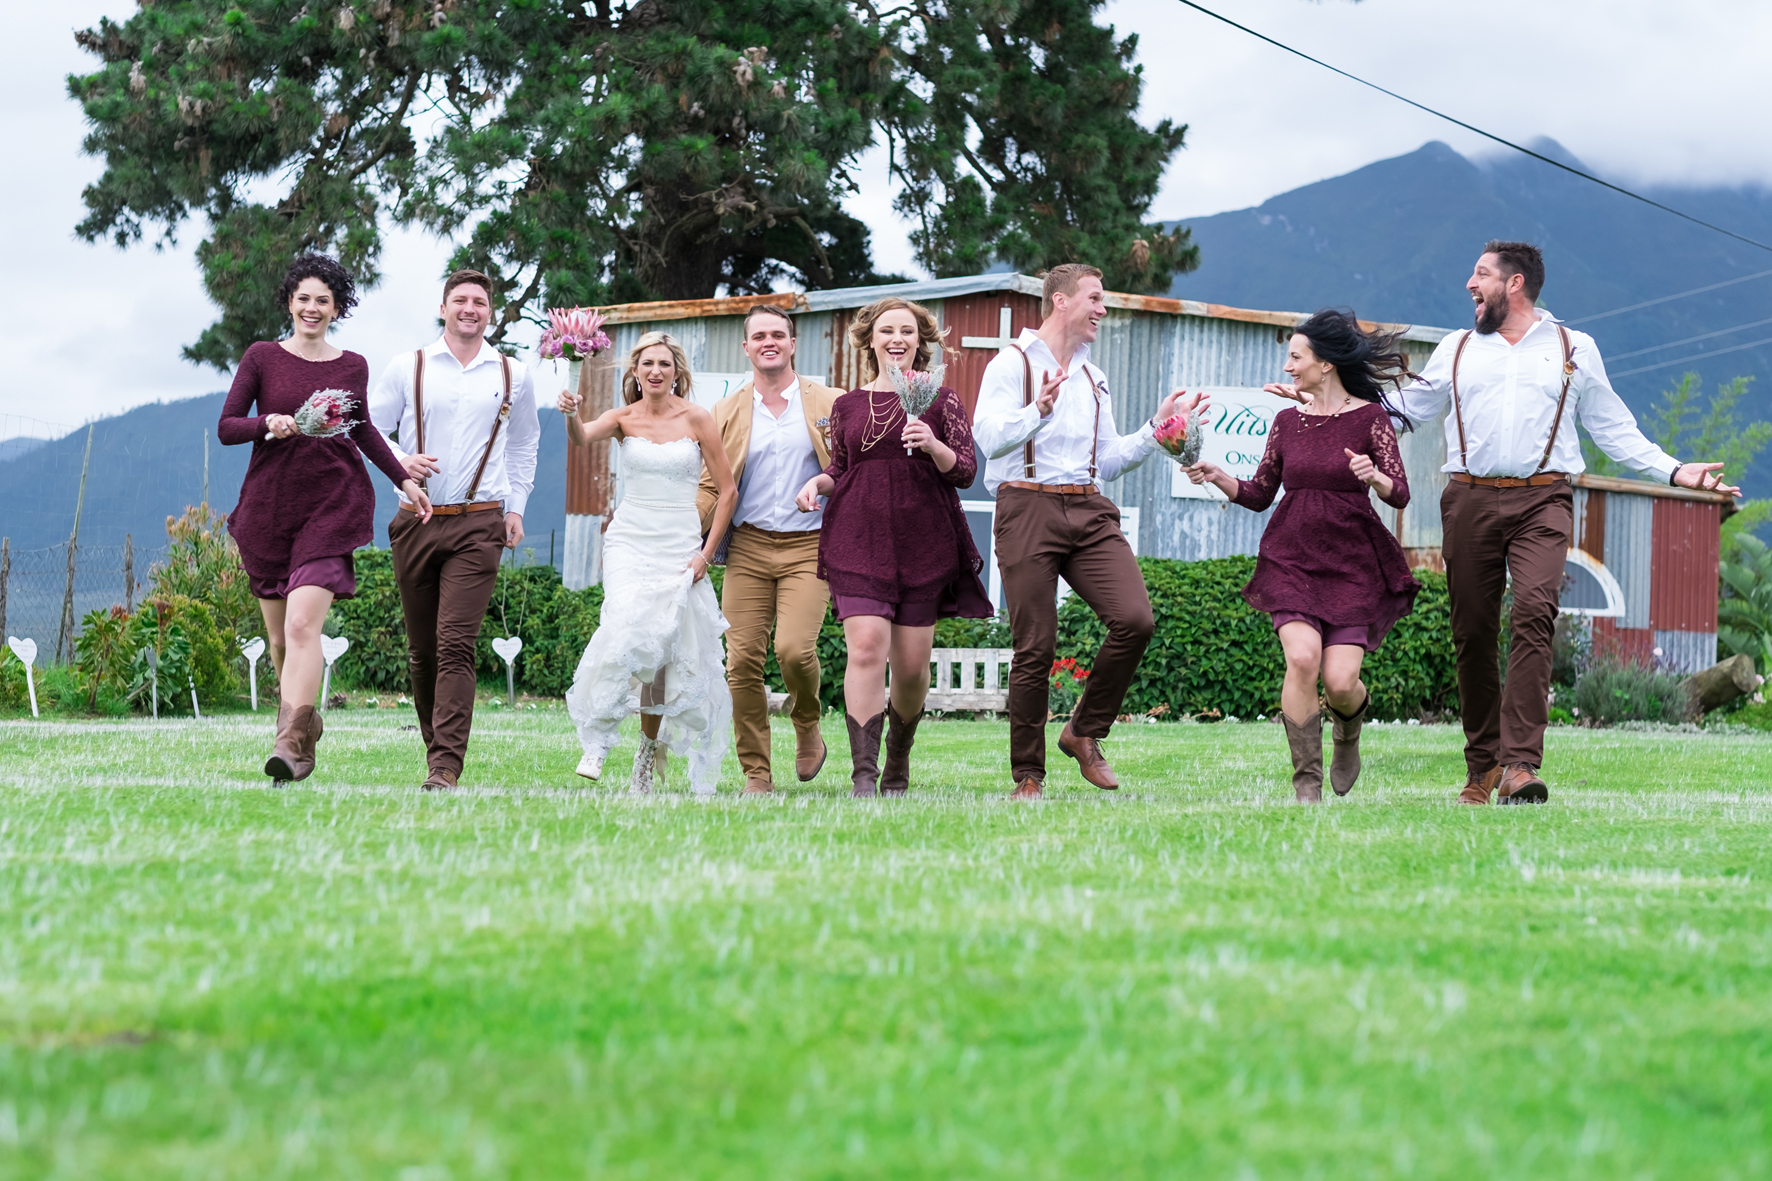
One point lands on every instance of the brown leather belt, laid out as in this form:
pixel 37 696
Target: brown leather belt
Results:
pixel 455 510
pixel 1057 489
pixel 782 535
pixel 1537 481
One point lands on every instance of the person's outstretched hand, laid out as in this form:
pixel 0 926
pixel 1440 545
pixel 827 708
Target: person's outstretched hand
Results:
pixel 1706 477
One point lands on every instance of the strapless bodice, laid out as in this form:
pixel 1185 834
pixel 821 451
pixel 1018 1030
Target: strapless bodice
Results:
pixel 664 474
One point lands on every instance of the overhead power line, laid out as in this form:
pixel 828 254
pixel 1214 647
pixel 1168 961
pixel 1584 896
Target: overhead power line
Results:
pixel 1649 303
pixel 1478 130
pixel 1691 340
pixel 1734 348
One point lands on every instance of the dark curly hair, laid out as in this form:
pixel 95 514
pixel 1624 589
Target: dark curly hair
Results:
pixel 1365 361
pixel 318 266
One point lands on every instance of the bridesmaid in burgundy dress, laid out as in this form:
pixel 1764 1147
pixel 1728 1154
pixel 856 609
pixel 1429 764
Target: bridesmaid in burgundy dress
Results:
pixel 306 503
pixel 895 546
pixel 1332 576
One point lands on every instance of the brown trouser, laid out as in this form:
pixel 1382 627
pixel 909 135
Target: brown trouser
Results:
pixel 446 569
pixel 771 581
pixel 1490 534
pixel 1041 537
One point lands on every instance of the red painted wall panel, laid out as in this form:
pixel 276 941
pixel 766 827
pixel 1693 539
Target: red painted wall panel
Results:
pixel 1628 645
pixel 1683 570
pixel 980 315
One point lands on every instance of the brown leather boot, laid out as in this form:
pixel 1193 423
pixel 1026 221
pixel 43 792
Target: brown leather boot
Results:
pixel 1477 788
pixel 293 757
pixel 901 735
pixel 1344 762
pixel 1027 789
pixel 286 750
pixel 864 754
pixel 810 752
pixel 1090 761
pixel 1306 741
pixel 1520 784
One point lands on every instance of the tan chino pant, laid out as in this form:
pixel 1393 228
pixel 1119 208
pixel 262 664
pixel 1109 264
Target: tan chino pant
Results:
pixel 771 582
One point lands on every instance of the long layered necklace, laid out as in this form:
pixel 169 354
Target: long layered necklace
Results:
pixel 878 426
pixel 1320 419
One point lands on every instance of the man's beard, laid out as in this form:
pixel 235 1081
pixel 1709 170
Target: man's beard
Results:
pixel 1490 317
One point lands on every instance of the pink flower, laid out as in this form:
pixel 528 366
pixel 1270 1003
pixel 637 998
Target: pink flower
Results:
pixel 573 333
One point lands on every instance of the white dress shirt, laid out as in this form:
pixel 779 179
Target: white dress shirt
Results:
pixel 779 463
pixel 1062 439
pixel 1509 393
pixel 461 402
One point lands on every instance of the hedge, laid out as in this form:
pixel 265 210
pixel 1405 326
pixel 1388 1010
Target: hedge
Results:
pixel 1211 651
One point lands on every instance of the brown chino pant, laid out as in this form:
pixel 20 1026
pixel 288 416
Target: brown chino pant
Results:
pixel 771 581
pixel 1491 533
pixel 1041 537
pixel 446 569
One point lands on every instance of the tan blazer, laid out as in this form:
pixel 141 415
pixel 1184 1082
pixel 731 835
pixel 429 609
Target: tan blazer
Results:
pixel 732 418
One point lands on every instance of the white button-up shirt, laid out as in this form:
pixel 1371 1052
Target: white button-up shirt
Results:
pixel 779 463
pixel 461 402
pixel 1508 394
pixel 1062 439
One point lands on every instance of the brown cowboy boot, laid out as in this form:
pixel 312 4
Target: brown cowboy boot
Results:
pixel 901 734
pixel 810 752
pixel 1344 763
pixel 1478 787
pixel 864 754
pixel 276 766
pixel 1090 761
pixel 1027 789
pixel 1520 784
pixel 1306 741
pixel 293 757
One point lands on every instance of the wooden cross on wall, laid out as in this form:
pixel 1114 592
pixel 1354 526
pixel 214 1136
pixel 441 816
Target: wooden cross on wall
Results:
pixel 1002 340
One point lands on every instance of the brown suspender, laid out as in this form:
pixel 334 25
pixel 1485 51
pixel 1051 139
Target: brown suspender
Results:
pixel 418 411
pixel 1562 398
pixel 1027 399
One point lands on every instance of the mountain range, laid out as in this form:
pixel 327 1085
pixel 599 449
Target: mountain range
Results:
pixel 1396 240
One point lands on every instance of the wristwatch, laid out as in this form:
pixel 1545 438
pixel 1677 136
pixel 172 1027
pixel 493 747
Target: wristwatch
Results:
pixel 1673 477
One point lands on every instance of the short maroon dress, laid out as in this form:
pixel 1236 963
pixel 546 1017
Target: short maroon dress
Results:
pixel 305 503
pixel 895 542
pixel 1326 558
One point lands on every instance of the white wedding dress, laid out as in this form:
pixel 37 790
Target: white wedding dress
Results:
pixel 656 619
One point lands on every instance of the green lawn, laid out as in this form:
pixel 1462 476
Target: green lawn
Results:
pixel 201 977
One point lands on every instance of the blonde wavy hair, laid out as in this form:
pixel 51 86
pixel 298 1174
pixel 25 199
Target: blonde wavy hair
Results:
pixel 630 380
pixel 861 333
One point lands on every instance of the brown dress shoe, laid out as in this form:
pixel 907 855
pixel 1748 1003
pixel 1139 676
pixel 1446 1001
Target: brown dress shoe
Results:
pixel 1520 784
pixel 439 780
pixel 810 752
pixel 1090 761
pixel 758 787
pixel 1027 789
pixel 1478 787
pixel 1305 740
pixel 864 754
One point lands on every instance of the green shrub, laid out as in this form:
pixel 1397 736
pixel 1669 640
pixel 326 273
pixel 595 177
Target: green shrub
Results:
pixel 1612 691
pixel 14 693
pixel 1213 652
pixel 103 658
pixel 1744 613
pixel 372 621
pixel 202 563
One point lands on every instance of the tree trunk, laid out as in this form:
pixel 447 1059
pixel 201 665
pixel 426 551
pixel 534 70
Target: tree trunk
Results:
pixel 1720 684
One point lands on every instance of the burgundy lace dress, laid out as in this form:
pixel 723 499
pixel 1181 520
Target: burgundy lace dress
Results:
pixel 895 540
pixel 1325 553
pixel 305 503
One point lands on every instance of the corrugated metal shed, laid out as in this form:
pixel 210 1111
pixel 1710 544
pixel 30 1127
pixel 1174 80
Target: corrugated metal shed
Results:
pixel 1659 543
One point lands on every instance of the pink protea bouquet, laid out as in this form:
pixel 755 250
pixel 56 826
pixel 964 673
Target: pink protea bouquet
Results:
pixel 575 334
pixel 1183 436
pixel 916 390
pixel 326 413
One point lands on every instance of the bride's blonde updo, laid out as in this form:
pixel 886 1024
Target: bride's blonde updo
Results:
pixel 630 380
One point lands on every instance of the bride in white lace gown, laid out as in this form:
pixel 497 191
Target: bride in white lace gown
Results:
pixel 657 648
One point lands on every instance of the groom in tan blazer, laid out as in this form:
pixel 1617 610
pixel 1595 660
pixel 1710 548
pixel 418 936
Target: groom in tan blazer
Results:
pixel 775 430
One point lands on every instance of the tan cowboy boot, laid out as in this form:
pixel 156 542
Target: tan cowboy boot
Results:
pixel 1520 784
pixel 1344 763
pixel 1306 741
pixel 1090 761
pixel 1477 788
pixel 901 734
pixel 864 754
pixel 810 752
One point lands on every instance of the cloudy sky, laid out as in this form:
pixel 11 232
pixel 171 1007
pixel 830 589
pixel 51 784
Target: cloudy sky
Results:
pixel 1646 91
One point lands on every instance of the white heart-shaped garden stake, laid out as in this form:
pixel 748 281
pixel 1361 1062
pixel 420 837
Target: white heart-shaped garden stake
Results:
pixel 331 648
pixel 253 649
pixel 26 651
pixel 508 649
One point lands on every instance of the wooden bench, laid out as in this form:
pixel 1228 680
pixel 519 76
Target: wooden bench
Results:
pixel 969 692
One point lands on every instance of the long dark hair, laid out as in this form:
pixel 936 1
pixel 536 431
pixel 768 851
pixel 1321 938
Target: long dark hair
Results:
pixel 1366 361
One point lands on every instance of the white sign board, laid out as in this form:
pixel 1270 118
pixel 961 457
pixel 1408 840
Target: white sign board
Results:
pixel 1239 417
